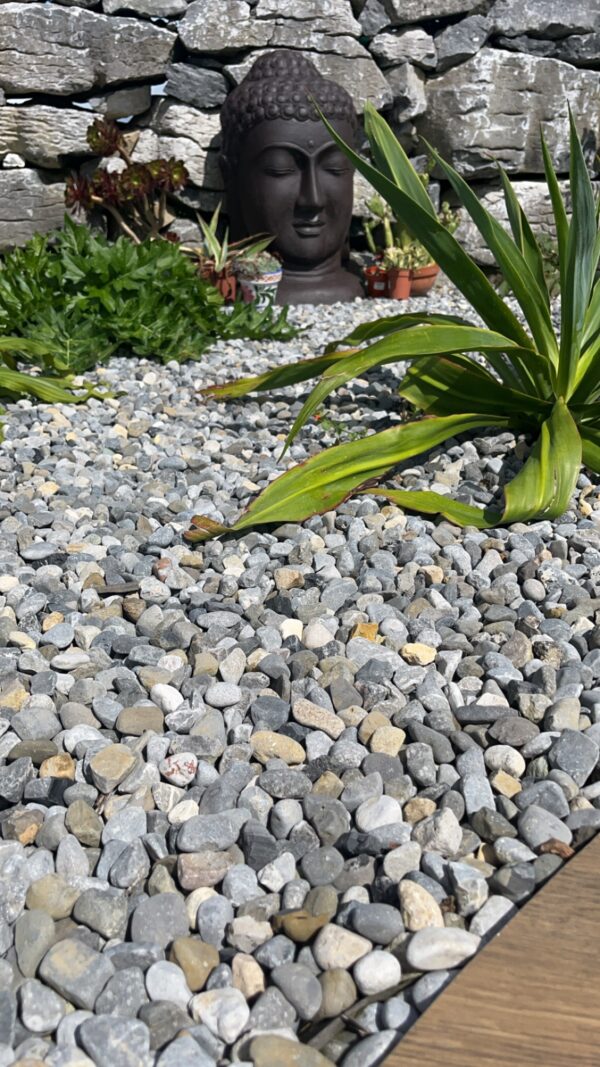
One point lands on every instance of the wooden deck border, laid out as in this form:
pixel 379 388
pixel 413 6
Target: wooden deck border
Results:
pixel 531 997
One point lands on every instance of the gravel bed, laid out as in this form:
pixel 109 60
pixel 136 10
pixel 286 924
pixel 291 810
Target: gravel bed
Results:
pixel 259 801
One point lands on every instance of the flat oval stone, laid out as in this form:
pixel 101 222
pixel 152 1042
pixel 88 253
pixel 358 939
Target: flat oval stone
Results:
pixel 268 745
pixel 336 947
pixel 437 950
pixel 267 1050
pixel 376 972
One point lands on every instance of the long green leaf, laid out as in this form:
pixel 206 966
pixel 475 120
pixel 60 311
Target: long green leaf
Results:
pixel 587 377
pixel 431 503
pixel 445 249
pixel 590 439
pixel 391 159
pixel 278 378
pixel 561 221
pixel 25 345
pixel 592 319
pixel 18 384
pixel 387 324
pixel 524 236
pixel 412 344
pixel 580 266
pixel 325 480
pixel 532 300
pixel 545 484
pixel 446 385
pixel 541 490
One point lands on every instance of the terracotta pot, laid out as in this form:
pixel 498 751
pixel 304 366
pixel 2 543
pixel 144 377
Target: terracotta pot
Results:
pixel 376 280
pixel 398 284
pixel 423 279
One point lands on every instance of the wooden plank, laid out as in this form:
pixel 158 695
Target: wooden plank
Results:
pixel 530 998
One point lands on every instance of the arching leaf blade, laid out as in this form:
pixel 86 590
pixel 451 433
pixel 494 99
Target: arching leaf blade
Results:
pixel 443 247
pixel 445 385
pixel 545 484
pixel 524 236
pixel 513 264
pixel 412 344
pixel 325 480
pixel 277 378
pixel 432 503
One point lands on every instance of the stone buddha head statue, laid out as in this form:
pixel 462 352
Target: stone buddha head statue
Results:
pixel 285 175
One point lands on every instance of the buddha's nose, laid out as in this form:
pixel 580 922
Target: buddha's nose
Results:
pixel 310 197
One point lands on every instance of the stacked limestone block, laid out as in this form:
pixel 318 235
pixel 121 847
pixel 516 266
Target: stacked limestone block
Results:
pixel 475 78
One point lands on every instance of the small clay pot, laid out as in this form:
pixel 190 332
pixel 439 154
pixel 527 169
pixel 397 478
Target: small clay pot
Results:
pixel 376 280
pixel 398 283
pixel 423 279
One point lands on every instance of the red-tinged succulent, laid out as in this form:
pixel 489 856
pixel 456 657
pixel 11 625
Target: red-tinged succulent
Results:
pixel 135 182
pixel 178 174
pixel 157 168
pixel 136 197
pixel 174 238
pixel 78 192
pixel 105 185
pixel 104 137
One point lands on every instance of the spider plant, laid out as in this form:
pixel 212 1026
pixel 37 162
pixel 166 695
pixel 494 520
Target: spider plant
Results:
pixel 214 256
pixel 514 372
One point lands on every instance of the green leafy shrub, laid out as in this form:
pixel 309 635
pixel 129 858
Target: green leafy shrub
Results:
pixel 82 299
pixel 533 379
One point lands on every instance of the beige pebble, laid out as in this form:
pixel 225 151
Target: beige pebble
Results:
pixel 193 902
pixel 505 784
pixel 417 654
pixel 60 766
pixel 300 925
pixel 369 724
pixel 268 745
pixel 339 993
pixel 336 947
pixel 418 808
pixel 328 785
pixel 288 578
pixel 53 895
pixel 419 909
pixel 248 975
pixel 308 714
pixel 196 959
pixel 368 630
pixel 388 739
pixel 110 766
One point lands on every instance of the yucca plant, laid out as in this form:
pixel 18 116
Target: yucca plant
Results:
pixel 531 379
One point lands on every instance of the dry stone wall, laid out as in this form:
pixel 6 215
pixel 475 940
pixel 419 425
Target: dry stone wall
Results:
pixel 474 77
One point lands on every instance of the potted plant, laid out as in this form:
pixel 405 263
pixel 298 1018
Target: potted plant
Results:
pixel 397 263
pixel 259 274
pixel 376 274
pixel 215 257
pixel 400 251
pixel 424 269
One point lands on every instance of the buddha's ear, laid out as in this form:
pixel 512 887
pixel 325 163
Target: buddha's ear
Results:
pixel 225 166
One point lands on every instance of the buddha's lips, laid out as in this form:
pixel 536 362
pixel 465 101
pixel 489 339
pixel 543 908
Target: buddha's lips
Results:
pixel 309 229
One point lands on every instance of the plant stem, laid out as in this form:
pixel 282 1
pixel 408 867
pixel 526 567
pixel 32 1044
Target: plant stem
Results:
pixel 119 219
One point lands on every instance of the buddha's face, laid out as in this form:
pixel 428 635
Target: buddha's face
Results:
pixel 294 182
